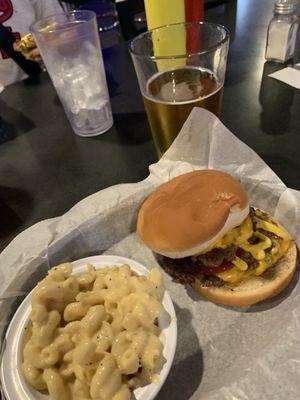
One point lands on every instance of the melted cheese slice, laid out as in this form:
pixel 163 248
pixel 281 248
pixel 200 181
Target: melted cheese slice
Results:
pixel 240 264
pixel 258 250
pixel 235 236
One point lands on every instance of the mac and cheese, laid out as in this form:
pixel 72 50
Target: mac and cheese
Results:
pixel 93 335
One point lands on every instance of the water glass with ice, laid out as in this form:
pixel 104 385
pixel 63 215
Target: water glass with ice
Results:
pixel 70 47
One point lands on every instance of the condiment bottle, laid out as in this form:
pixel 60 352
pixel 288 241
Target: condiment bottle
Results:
pixel 165 12
pixel 282 31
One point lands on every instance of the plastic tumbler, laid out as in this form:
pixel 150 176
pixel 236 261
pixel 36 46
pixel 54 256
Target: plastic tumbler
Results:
pixel 70 47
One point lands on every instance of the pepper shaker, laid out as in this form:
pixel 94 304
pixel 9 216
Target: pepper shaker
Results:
pixel 282 31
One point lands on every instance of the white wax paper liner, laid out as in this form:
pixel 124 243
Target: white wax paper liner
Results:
pixel 222 353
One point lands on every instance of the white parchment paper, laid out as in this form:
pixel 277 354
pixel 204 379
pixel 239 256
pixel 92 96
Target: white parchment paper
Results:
pixel 222 353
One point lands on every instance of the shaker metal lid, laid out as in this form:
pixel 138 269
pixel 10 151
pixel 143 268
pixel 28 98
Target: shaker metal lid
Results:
pixel 285 6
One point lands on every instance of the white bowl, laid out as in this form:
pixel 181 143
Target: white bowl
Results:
pixel 15 386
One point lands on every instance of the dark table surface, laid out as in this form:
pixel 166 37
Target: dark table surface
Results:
pixel 45 168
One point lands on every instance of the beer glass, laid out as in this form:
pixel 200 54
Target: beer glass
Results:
pixel 179 66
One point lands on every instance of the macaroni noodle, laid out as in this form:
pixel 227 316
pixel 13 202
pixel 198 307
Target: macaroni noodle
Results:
pixel 94 335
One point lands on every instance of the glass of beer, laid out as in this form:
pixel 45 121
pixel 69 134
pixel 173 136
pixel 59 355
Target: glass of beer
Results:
pixel 179 66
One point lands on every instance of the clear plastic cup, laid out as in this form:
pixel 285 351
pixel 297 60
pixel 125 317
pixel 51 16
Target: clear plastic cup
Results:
pixel 70 48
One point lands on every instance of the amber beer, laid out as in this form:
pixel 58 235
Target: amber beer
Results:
pixel 170 97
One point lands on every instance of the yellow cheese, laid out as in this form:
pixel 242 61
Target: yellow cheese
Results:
pixel 282 248
pixel 235 236
pixel 257 250
pixel 234 275
pixel 275 249
pixel 240 235
pixel 276 229
pixel 240 264
pixel 262 266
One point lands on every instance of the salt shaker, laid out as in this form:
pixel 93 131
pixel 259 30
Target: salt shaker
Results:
pixel 282 31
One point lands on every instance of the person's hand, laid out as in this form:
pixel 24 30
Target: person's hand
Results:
pixel 28 48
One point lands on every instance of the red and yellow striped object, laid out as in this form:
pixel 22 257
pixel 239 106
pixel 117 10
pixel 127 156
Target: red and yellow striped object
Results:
pixel 165 12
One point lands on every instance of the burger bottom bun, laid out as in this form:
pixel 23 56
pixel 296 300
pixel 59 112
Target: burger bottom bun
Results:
pixel 255 288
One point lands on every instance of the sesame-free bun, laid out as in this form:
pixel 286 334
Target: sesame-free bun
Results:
pixel 255 288
pixel 186 215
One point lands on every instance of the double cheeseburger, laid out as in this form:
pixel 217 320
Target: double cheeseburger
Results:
pixel 206 235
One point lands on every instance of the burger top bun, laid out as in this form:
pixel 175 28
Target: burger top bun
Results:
pixel 184 216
